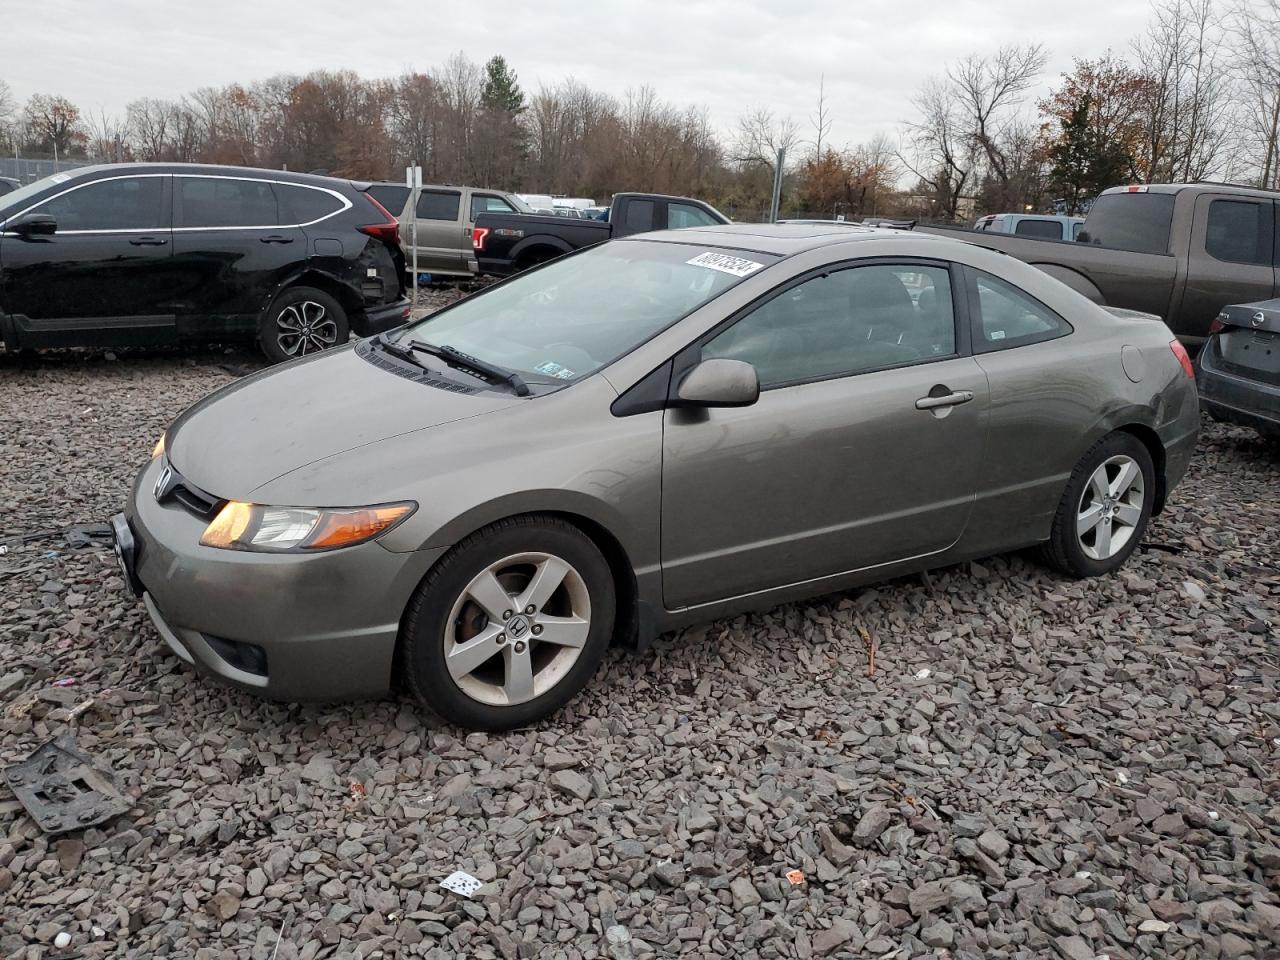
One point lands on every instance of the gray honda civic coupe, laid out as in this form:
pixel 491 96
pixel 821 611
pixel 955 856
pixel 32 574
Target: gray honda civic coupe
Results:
pixel 654 431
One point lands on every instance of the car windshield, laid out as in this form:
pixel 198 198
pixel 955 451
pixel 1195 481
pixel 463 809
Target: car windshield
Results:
pixel 11 203
pixel 569 318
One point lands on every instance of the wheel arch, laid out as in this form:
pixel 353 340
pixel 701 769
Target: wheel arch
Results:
pixel 634 624
pixel 539 246
pixel 347 298
pixel 1151 440
pixel 1074 279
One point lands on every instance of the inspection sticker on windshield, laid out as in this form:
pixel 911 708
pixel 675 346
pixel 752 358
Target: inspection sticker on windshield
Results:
pixel 726 264
pixel 553 369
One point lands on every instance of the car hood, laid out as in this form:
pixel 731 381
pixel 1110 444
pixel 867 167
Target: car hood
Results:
pixel 275 421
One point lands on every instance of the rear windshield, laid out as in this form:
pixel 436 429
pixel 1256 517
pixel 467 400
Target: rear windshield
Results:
pixel 571 317
pixel 391 196
pixel 1129 221
pixel 1044 229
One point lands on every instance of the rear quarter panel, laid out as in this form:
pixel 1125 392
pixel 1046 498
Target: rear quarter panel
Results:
pixel 1052 401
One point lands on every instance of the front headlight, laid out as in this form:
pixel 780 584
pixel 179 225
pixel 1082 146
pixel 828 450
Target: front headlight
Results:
pixel 252 526
pixel 158 449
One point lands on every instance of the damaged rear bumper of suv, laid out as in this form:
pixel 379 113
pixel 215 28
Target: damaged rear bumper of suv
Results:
pixel 270 624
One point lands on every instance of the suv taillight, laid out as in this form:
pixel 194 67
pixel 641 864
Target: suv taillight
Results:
pixel 388 231
pixel 1184 358
pixel 477 237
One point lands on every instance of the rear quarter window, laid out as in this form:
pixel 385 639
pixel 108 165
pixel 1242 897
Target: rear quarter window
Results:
pixel 1138 222
pixel 299 205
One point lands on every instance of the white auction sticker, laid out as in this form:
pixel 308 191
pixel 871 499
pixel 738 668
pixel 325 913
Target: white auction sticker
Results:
pixel 736 266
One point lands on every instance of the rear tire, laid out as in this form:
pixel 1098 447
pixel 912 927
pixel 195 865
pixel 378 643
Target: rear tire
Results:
pixel 510 624
pixel 1104 510
pixel 301 321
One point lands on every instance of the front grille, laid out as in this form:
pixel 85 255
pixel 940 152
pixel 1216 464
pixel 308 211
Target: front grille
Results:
pixel 178 489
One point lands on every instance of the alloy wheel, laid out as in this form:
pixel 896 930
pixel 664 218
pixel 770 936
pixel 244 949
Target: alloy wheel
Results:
pixel 1110 508
pixel 517 629
pixel 305 327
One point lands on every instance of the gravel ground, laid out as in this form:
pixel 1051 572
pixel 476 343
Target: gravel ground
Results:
pixel 1035 767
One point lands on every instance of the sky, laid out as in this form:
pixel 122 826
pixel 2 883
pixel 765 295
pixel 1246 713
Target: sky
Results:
pixel 728 55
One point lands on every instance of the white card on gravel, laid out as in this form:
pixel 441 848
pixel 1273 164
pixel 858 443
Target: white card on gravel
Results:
pixel 463 883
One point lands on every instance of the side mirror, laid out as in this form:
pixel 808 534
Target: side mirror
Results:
pixel 720 382
pixel 35 225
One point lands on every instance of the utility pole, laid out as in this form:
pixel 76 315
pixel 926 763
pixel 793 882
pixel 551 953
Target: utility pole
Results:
pixel 777 185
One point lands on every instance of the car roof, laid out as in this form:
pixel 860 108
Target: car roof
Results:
pixel 211 169
pixel 784 239
pixel 1201 186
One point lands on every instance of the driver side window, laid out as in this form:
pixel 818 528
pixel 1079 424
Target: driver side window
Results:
pixel 846 322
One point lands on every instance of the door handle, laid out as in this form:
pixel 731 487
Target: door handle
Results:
pixel 148 241
pixel 275 238
pixel 946 400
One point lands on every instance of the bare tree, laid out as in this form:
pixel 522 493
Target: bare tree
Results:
pixel 150 125
pixel 107 137
pixel 1254 31
pixel 987 91
pixel 821 117
pixel 8 112
pixel 1185 113
pixel 939 148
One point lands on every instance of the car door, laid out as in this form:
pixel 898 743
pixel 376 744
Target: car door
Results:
pixel 442 236
pixel 232 248
pixel 1230 260
pixel 862 450
pixel 103 278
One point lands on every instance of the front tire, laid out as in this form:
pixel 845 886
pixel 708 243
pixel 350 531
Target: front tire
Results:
pixel 1104 510
pixel 510 624
pixel 301 321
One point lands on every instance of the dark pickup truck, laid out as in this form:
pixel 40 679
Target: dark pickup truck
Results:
pixel 1180 251
pixel 504 243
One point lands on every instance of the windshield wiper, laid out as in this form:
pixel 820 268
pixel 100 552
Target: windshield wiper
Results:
pixel 456 358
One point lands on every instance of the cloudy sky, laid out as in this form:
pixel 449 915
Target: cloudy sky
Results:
pixel 728 55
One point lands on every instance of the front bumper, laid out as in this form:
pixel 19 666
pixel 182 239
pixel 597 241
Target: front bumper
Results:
pixel 377 320
pixel 1237 399
pixel 317 626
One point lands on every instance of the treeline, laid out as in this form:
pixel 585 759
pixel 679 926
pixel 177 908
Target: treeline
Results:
pixel 1196 96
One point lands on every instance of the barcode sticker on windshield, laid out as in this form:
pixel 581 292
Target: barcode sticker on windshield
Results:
pixel 726 264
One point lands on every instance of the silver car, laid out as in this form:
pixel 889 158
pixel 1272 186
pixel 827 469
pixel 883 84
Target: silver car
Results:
pixel 651 432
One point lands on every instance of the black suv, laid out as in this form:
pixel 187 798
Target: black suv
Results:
pixel 139 254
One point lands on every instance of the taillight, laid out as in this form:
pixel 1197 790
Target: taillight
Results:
pixel 477 237
pixel 1218 324
pixel 388 231
pixel 1184 358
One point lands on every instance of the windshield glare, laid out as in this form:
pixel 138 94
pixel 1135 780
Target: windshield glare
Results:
pixel 569 318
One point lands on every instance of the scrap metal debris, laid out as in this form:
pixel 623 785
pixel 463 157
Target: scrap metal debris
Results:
pixel 63 789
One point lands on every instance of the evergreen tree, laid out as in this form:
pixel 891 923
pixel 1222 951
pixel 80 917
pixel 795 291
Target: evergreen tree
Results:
pixel 501 91
pixel 1085 163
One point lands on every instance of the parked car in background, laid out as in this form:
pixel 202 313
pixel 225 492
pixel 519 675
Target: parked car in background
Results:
pixel 571 213
pixel 8 185
pixel 1180 251
pixel 538 201
pixel 445 217
pixel 653 432
pixel 1036 225
pixel 134 254
pixel 1238 369
pixel 595 213
pixel 505 244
